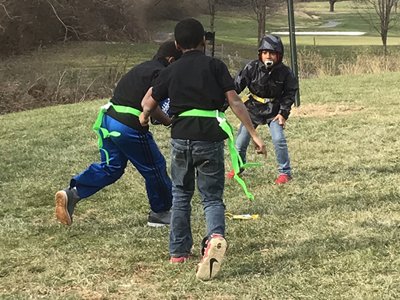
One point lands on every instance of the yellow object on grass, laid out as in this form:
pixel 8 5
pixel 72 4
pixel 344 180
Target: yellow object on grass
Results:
pixel 231 216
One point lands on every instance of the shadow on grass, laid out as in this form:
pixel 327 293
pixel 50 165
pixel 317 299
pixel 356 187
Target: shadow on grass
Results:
pixel 332 253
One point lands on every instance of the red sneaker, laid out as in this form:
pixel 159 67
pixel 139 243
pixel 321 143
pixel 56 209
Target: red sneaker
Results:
pixel 178 260
pixel 282 179
pixel 230 174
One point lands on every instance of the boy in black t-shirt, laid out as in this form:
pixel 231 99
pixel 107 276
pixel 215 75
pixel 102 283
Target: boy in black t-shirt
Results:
pixel 121 139
pixel 197 86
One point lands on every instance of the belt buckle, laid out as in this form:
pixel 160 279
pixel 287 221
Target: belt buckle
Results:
pixel 267 100
pixel 219 119
pixel 105 107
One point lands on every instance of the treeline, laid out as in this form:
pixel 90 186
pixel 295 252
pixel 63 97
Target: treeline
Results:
pixel 27 24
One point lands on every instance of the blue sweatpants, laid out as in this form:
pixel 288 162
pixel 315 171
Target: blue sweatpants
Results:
pixel 142 151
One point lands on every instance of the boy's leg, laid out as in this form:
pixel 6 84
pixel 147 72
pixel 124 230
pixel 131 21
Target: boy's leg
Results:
pixel 281 148
pixel 99 175
pixel 209 159
pixel 183 177
pixel 143 152
pixel 242 142
pixel 93 179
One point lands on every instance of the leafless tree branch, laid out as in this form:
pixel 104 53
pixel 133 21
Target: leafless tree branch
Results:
pixel 5 9
pixel 67 28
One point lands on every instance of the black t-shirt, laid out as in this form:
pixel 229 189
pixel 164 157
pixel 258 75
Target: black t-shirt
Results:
pixel 194 81
pixel 131 89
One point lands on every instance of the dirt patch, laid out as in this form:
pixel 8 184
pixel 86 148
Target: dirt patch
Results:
pixel 325 110
pixel 305 15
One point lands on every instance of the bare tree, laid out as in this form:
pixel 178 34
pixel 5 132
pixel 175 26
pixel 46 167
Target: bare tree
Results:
pixel 261 7
pixel 383 19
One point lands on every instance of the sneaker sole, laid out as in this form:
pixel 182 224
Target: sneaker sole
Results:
pixel 151 224
pixel 62 214
pixel 210 266
pixel 180 260
pixel 281 183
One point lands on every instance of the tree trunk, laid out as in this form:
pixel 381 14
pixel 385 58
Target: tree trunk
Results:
pixel 384 41
pixel 260 8
pixel 331 6
pixel 261 23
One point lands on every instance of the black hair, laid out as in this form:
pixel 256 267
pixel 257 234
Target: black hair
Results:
pixel 189 33
pixel 168 49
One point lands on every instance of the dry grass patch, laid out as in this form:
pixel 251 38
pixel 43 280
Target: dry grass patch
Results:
pixel 325 110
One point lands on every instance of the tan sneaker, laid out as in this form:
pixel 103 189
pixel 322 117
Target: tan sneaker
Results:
pixel 214 253
pixel 65 205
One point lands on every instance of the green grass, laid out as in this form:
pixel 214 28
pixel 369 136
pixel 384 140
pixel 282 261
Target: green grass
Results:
pixel 90 55
pixel 333 233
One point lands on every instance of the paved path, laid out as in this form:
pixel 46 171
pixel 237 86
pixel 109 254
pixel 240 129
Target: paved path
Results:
pixel 349 33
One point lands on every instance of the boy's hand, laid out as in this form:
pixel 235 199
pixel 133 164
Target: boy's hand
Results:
pixel 144 120
pixel 260 146
pixel 281 120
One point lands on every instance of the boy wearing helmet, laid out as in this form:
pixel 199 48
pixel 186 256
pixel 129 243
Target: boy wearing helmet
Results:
pixel 123 138
pixel 272 89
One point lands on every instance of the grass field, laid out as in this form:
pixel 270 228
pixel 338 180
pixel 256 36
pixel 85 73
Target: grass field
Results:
pixel 333 233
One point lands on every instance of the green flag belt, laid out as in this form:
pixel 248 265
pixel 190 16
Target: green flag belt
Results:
pixel 237 162
pixel 103 133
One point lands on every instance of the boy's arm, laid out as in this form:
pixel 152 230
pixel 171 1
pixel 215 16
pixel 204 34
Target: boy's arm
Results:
pixel 290 88
pixel 241 112
pixel 241 79
pixel 151 107
pixel 160 116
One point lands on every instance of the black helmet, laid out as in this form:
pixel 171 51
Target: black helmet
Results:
pixel 272 43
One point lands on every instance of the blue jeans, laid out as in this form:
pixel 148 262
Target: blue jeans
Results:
pixel 204 160
pixel 278 140
pixel 142 151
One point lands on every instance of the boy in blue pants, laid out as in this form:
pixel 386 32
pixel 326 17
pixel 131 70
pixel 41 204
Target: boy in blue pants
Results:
pixel 198 87
pixel 121 139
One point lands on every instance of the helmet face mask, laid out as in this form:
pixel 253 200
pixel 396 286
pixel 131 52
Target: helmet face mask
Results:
pixel 269 63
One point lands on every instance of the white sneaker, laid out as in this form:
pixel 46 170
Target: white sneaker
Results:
pixel 214 253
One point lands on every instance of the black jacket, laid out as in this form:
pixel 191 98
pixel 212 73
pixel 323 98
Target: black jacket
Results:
pixel 278 86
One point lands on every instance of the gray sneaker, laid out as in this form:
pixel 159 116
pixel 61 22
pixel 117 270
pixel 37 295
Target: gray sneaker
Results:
pixel 160 219
pixel 65 205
